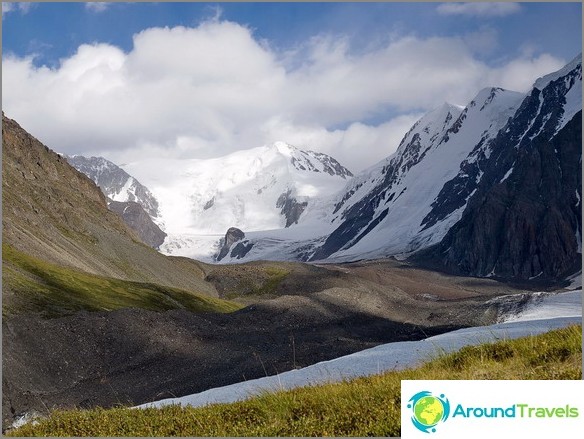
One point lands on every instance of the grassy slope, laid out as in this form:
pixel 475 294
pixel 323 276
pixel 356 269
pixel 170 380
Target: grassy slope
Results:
pixel 54 291
pixel 361 407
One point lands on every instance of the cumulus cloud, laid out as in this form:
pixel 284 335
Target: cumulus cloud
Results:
pixel 212 89
pixel 477 9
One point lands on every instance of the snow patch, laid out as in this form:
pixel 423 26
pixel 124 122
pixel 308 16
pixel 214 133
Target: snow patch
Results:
pixel 506 176
pixel 552 312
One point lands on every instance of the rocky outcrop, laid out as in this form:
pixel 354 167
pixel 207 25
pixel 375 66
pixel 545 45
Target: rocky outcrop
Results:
pixel 241 249
pixel 138 220
pixel 526 226
pixel 231 237
pixel 291 209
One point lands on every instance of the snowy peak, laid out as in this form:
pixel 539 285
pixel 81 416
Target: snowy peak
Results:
pixel 495 98
pixel 263 188
pixel 495 104
pixel 311 161
pixel 431 126
pixel 573 66
pixel 115 183
pixel 393 208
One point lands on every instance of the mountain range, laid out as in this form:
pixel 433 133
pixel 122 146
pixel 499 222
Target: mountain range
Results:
pixel 491 188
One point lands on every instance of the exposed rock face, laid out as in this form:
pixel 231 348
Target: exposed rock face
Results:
pixel 526 225
pixel 231 237
pixel 524 220
pixel 291 209
pixel 241 249
pixel 136 217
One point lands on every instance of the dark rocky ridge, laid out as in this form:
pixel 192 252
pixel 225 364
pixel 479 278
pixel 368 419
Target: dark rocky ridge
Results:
pixel 241 249
pixel 525 216
pixel 524 226
pixel 232 235
pixel 138 220
pixel 290 207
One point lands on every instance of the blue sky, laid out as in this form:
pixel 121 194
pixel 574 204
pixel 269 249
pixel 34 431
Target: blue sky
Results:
pixel 329 76
pixel 55 30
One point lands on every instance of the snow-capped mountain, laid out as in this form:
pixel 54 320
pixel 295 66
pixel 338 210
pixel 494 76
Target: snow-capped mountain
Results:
pixel 492 188
pixel 257 189
pixel 489 189
pixel 492 191
pixel 386 208
pixel 116 184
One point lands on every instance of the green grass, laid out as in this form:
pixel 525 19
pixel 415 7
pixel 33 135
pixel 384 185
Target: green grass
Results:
pixel 275 275
pixel 261 283
pixel 33 285
pixel 360 407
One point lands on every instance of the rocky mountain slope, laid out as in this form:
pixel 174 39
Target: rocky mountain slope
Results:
pixel 125 195
pixel 525 217
pixel 54 213
pixel 139 221
pixel 389 208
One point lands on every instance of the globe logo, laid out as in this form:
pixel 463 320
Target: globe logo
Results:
pixel 428 410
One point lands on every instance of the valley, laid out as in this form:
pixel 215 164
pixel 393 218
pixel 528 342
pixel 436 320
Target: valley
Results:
pixel 295 315
pixel 106 302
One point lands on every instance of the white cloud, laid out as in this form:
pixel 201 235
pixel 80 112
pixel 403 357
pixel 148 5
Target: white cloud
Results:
pixel 210 90
pixel 519 73
pixel 479 9
pixel 21 7
pixel 357 147
pixel 484 40
pixel 7 7
pixel 97 6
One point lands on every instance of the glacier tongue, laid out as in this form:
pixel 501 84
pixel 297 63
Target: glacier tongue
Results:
pixel 263 188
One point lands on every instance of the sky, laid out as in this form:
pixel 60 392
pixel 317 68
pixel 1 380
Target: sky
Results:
pixel 129 81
